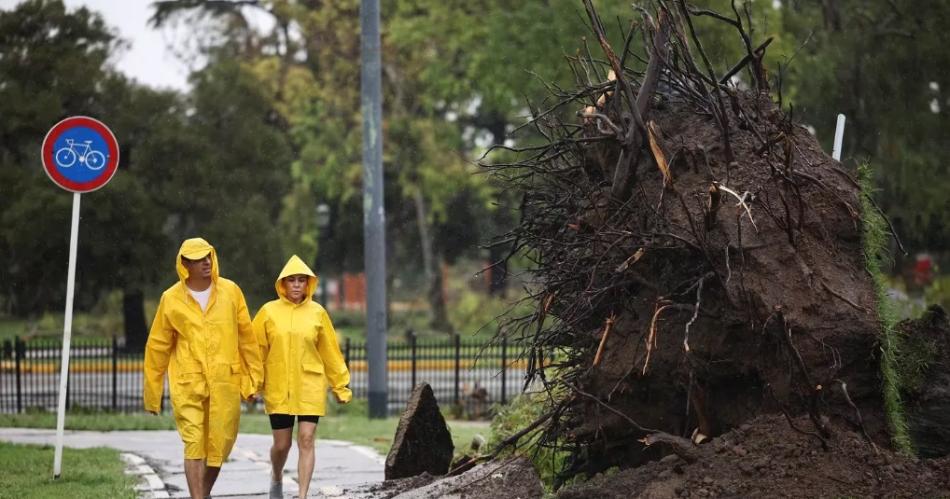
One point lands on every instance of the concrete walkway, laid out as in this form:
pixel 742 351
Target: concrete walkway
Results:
pixel 157 457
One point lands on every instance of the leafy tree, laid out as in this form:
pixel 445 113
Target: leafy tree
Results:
pixel 885 66
pixel 223 175
pixel 55 64
pixel 211 163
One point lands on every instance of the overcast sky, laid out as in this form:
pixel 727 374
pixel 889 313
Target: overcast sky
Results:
pixel 148 58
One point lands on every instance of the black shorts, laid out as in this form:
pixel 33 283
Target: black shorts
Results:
pixel 283 421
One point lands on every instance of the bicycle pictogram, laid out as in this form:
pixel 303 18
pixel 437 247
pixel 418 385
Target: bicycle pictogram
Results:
pixel 84 153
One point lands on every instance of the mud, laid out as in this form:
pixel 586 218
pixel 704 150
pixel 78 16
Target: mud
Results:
pixel 767 458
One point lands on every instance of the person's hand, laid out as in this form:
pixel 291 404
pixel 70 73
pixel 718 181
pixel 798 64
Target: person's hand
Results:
pixel 252 398
pixel 341 400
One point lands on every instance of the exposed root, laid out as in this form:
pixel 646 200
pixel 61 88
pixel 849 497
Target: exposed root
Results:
pixel 844 298
pixel 603 340
pixel 651 337
pixel 741 202
pixel 864 431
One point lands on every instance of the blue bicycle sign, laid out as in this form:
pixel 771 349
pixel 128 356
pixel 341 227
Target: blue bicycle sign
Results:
pixel 84 153
pixel 80 154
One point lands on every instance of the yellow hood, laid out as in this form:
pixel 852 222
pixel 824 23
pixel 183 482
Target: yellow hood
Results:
pixel 194 249
pixel 296 266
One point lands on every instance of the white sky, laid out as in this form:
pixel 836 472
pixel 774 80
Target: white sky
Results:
pixel 148 59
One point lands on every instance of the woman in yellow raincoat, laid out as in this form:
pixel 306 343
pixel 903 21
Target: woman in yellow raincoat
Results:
pixel 302 359
pixel 202 336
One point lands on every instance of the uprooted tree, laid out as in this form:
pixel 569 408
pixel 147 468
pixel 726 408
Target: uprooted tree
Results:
pixel 699 258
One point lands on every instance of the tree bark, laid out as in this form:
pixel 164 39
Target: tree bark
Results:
pixel 437 300
pixel 431 264
pixel 133 315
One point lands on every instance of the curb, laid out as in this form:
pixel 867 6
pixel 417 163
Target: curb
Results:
pixel 153 486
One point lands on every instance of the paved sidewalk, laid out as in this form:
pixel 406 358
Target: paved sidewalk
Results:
pixel 340 466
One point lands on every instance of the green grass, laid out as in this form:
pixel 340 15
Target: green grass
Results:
pixel 875 244
pixel 50 326
pixel 11 327
pixel 89 421
pixel 27 471
pixel 349 424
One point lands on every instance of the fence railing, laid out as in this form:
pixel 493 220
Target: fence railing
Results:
pixel 467 376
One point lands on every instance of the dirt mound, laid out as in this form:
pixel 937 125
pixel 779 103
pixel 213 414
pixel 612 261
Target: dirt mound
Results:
pixel 699 258
pixel 513 477
pixel 767 458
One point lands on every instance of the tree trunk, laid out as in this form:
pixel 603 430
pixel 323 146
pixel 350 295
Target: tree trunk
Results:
pixel 437 300
pixel 432 264
pixel 133 315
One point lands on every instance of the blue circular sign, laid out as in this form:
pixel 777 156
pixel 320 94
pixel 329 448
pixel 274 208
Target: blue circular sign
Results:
pixel 80 154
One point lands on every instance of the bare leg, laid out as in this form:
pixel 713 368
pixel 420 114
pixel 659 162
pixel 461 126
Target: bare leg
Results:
pixel 194 475
pixel 211 474
pixel 305 434
pixel 279 451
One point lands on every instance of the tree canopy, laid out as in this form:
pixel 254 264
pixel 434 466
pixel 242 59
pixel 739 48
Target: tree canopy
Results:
pixel 271 127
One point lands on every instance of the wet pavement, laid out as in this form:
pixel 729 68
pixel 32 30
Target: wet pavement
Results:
pixel 157 458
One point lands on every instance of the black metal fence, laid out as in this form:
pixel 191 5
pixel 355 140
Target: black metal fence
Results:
pixel 467 376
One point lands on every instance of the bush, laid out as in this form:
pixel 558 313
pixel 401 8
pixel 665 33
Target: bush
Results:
pixel 548 459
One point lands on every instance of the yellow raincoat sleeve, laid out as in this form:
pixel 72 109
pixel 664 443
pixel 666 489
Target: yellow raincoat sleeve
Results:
pixel 334 364
pixel 260 332
pixel 250 350
pixel 158 350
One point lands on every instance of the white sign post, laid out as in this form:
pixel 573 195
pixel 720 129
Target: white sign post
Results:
pixel 839 137
pixel 80 154
pixel 67 336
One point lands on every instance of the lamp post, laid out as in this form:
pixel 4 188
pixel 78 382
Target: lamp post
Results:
pixel 374 209
pixel 323 224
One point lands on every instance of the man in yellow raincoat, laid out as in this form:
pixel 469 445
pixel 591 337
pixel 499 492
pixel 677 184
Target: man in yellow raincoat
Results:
pixel 202 335
pixel 302 360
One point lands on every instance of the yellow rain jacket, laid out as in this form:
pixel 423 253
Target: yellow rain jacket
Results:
pixel 212 359
pixel 301 352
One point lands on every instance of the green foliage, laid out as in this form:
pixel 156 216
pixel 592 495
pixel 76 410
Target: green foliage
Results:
pixel 938 292
pixel 86 473
pixel 104 320
pixel 55 65
pixel 875 243
pixel 272 128
pixel 523 410
pixel 211 164
pixel 474 312
pixel 885 66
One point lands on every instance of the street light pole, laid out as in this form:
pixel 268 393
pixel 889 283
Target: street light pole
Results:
pixel 374 212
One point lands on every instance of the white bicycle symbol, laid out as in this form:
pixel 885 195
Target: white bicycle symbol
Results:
pixel 67 156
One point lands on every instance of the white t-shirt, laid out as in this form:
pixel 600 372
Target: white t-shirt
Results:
pixel 201 297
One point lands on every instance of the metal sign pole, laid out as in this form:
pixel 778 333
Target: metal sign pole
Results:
pixel 67 334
